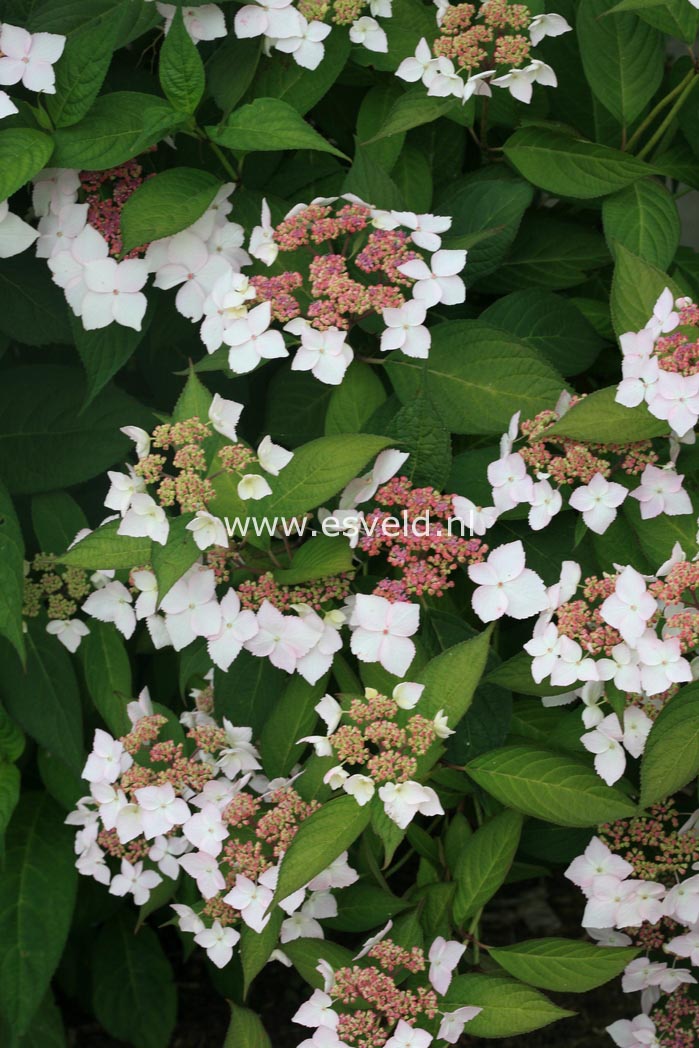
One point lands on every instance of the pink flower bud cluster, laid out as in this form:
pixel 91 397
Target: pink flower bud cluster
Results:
pixel 425 551
pixel 640 890
pixel 199 805
pixel 336 279
pixel 478 48
pixel 378 742
pixel 544 468
pixel 319 595
pixel 105 193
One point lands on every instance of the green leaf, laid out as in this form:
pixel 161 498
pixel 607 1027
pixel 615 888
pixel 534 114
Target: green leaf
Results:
pixel 644 218
pixel 37 895
pixel 133 992
pixel 104 549
pixel 9 795
pixel 451 678
pixel 34 310
pixel 508 1007
pixel 11 737
pixel 44 699
pixel 318 471
pixel 46 1028
pixel 23 153
pixel 107 672
pixel 256 947
pixel 599 419
pixel 249 692
pixel 305 954
pixel 301 88
pixel 636 287
pixel 569 166
pixel 292 718
pixel 376 105
pixel 549 323
pixel 11 574
pixel 412 109
pixel 231 68
pixel 421 432
pixel 622 57
pixel 551 786
pixel 194 401
pixel 563 965
pixel 321 556
pixel 48 440
pixel 486 208
pixel 671 756
pixel 171 561
pixel 657 536
pixel 368 181
pixel 484 863
pixel 83 66
pixel 364 906
pixel 516 674
pixel 166 204
pixel 478 377
pixel 354 401
pixel 549 253
pixel 118 127
pixel 245 1030
pixel 269 124
pixel 181 69
pixel 319 840
pixel 105 351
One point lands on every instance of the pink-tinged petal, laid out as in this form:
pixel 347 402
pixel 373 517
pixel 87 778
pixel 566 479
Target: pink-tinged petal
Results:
pixel 404 619
pixel 366 645
pixel 101 275
pixel 96 312
pixel 526 595
pixel 129 310
pixel 417 342
pixel 508 561
pixel 489 603
pixel 396 654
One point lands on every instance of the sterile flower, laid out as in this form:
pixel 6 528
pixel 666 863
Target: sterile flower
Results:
pixel 224 416
pixel 413 69
pixel 7 106
pixel 283 639
pixel 237 627
pixel 661 491
pixel 239 755
pixel 405 330
pixel 367 32
pixel 444 957
pixel 114 293
pixel 324 353
pixel 145 518
pixel 218 943
pixel 207 530
pixel 453 1023
pixel 630 606
pixel 364 488
pixel 361 787
pixel 661 663
pixel 407 1036
pixel 55 230
pixel 205 22
pixel 15 235
pixel 161 809
pixel 108 759
pixel 206 830
pixel 438 281
pixel 506 586
pixel 598 502
pixel 191 607
pixel 544 648
pixel 134 880
pixel 262 243
pixel 251 341
pixel 381 631
pixel 204 869
pixel 675 398
pixel 113 603
pixel 477 518
pixel 29 58
pixel 273 457
pixel 306 45
pixel 403 800
pixel 226 302
pixel 546 502
pixel 597 861
pixel 547 25
pixel 69 632
pixel 253 486
pixel 510 481
pixel 252 900
pixel 634 1033
pixel 407 694
pixel 184 260
pixel 639 381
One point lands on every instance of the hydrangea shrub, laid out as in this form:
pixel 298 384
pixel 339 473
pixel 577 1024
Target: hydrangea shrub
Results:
pixel 348 515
